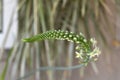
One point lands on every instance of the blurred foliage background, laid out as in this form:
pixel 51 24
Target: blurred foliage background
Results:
pixel 94 18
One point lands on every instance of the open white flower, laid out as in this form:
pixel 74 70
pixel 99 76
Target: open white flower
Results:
pixel 79 54
pixel 94 42
pixel 95 52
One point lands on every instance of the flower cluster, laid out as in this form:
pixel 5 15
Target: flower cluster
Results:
pixel 87 56
pixel 85 51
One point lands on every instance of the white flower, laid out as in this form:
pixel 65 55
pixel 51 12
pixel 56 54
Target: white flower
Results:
pixel 94 42
pixel 95 52
pixel 79 55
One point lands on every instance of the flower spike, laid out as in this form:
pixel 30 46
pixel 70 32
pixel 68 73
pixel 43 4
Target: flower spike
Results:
pixel 86 50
